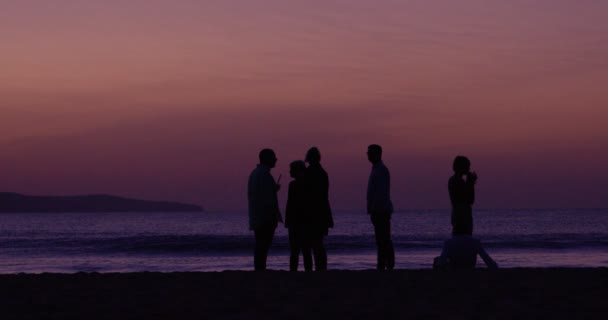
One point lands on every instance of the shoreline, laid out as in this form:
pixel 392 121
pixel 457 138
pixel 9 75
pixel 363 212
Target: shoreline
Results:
pixel 279 261
pixel 558 293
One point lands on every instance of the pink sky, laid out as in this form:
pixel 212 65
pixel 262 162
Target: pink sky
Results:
pixel 173 99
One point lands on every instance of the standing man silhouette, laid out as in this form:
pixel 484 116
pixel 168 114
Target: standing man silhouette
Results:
pixel 264 214
pixel 317 184
pixel 462 195
pixel 380 207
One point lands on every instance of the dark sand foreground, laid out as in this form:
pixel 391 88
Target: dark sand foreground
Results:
pixel 422 294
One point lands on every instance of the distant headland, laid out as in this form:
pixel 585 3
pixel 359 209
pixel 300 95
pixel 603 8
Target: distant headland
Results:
pixel 19 203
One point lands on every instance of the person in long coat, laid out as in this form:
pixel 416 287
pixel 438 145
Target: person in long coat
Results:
pixel 317 182
pixel 297 218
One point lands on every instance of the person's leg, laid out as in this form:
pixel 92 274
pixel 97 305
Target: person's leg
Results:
pixel 379 234
pixel 390 250
pixel 307 257
pixel 263 240
pixel 258 256
pixel 294 249
pixel 306 246
pixel 322 255
pixel 386 252
pixel 319 252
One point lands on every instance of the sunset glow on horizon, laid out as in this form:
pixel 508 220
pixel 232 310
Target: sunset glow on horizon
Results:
pixel 172 100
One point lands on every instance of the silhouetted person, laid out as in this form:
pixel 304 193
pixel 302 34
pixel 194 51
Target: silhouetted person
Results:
pixel 297 218
pixel 317 183
pixel 264 214
pixel 462 195
pixel 380 207
pixel 460 252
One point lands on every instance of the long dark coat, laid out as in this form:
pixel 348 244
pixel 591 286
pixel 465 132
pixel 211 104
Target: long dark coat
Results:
pixel 297 215
pixel 317 182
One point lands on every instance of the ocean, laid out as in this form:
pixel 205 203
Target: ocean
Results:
pixel 217 241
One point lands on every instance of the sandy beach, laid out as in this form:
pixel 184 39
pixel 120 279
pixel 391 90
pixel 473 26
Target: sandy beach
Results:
pixel 415 294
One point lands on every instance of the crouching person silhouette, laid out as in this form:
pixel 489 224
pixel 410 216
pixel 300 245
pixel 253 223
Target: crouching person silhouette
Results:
pixel 460 253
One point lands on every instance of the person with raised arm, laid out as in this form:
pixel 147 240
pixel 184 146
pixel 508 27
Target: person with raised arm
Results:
pixel 461 187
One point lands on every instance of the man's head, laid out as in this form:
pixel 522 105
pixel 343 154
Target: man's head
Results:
pixel 313 156
pixel 297 168
pixel 374 153
pixel 268 158
pixel 461 165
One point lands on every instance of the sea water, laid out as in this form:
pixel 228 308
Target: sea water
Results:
pixel 216 241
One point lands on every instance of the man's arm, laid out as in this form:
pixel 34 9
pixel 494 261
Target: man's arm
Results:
pixel 371 189
pixel 253 199
pixel 271 202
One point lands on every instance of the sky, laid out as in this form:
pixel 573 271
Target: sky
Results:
pixel 172 100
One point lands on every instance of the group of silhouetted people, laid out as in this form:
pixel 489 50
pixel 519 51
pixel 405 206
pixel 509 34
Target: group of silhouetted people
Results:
pixel 308 215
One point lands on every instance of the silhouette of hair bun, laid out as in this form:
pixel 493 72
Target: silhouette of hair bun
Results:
pixel 313 155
